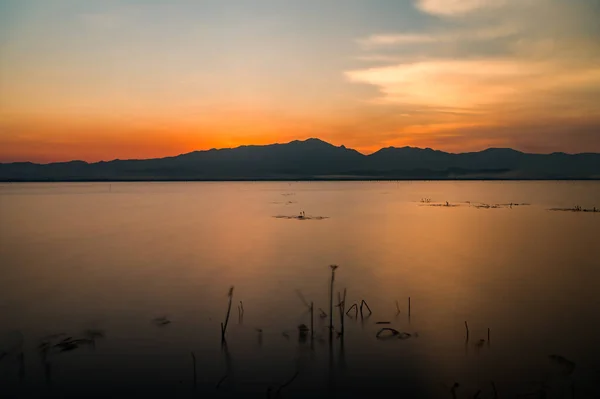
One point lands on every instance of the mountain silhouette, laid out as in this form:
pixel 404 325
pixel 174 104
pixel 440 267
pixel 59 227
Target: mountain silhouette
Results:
pixel 314 159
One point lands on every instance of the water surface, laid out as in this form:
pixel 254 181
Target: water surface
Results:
pixel 116 256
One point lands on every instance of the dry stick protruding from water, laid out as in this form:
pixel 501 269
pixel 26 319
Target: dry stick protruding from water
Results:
pixel 312 322
pixel 221 381
pixel 224 325
pixel 364 303
pixel 408 306
pixel 495 390
pixel 278 392
pixel 355 307
pixel 397 308
pixel 241 311
pixel 194 365
pixel 453 389
pixel 333 267
pixel 467 328
pixel 341 305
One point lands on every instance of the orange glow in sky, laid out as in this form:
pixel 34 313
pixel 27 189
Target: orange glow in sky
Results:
pixel 105 80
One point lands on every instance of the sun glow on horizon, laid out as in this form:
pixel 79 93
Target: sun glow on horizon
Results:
pixel 142 80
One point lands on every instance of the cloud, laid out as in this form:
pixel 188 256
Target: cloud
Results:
pixel 468 35
pixel 483 73
pixel 458 7
pixel 530 58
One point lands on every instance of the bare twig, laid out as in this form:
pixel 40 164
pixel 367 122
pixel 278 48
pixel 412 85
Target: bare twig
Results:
pixel 224 325
pixel 495 390
pixel 355 307
pixel 221 381
pixel 312 323
pixel 364 303
pixel 277 393
pixel 333 267
pixel 342 305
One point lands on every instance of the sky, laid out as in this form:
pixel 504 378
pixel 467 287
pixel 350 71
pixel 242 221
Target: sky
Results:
pixel 102 80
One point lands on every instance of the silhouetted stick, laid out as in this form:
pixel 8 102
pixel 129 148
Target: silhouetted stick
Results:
pixel 302 298
pixel 495 391
pixel 467 328
pixel 453 389
pixel 476 396
pixel 333 267
pixel 397 308
pixel 408 306
pixel 364 303
pixel 221 381
pixel 355 307
pixel 277 393
pixel 312 321
pixel 341 307
pixel 194 364
pixel 224 326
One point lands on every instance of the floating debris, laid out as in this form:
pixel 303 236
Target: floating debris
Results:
pixel 161 321
pixel 444 204
pixel 383 322
pixel 302 216
pixel 478 205
pixel 577 208
pixel 388 333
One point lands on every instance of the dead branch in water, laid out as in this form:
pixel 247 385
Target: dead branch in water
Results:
pixel 224 325
pixel 364 303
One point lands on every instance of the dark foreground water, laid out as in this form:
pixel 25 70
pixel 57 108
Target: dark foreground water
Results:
pixel 104 261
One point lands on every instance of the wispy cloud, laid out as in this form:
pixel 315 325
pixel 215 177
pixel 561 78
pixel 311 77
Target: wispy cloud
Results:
pixel 458 7
pixel 498 64
pixel 467 35
pixel 530 66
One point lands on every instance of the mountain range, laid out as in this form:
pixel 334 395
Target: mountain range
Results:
pixel 314 159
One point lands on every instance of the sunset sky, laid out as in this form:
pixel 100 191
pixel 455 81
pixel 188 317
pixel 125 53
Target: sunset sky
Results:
pixel 99 80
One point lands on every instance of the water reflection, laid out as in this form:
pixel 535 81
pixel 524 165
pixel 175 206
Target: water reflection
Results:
pixel 161 249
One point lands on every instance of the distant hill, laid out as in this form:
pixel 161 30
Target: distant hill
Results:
pixel 314 159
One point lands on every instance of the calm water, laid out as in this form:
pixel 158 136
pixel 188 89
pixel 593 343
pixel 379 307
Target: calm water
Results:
pixel 115 257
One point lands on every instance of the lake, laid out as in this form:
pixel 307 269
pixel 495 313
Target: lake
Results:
pixel 145 268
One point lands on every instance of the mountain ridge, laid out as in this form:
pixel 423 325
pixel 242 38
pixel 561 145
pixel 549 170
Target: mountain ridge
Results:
pixel 312 159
